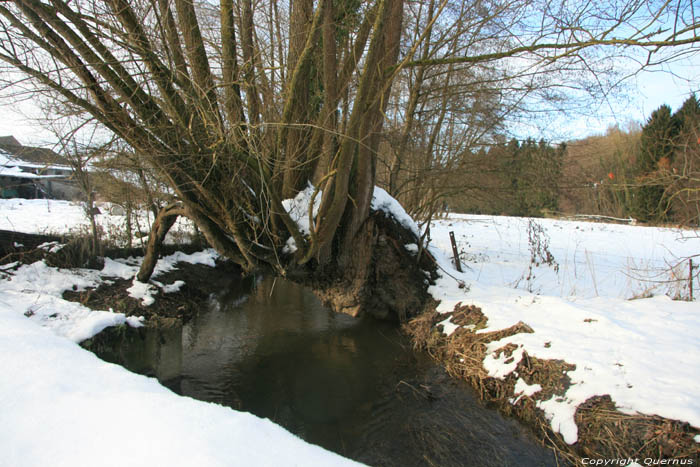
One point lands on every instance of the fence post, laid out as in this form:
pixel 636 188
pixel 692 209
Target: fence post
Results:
pixel 455 253
pixel 690 277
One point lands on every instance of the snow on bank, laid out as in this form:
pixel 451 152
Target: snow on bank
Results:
pixel 64 406
pixel 298 209
pixel 61 405
pixel 35 291
pixel 644 353
pixel 383 201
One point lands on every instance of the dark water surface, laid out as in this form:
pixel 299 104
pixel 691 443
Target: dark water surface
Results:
pixel 352 386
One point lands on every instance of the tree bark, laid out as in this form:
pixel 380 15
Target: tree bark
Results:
pixel 381 277
pixel 161 226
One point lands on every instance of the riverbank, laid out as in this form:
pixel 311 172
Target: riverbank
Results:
pixel 598 379
pixel 64 406
pixel 437 424
pixel 603 431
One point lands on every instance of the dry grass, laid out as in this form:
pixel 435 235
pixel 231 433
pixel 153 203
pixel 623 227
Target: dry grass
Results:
pixel 604 431
pixel 603 427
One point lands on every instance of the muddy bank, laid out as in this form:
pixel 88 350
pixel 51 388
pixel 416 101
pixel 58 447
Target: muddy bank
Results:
pixel 181 305
pixel 603 431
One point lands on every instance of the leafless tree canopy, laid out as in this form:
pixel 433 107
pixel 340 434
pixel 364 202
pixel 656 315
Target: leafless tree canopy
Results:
pixel 239 104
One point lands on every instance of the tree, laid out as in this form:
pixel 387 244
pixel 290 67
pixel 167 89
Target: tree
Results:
pixel 666 166
pixel 523 178
pixel 599 172
pixel 235 120
pixel 675 178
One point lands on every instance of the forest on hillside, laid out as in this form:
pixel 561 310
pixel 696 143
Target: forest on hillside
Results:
pixel 649 172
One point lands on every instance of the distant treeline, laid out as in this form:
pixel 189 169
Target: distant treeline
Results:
pixel 650 173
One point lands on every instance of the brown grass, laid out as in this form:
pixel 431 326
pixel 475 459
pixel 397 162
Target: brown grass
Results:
pixel 604 431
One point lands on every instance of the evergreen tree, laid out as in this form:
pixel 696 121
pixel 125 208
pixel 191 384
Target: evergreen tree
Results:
pixel 686 119
pixel 656 146
pixel 531 172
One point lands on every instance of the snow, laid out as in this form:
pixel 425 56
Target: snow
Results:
pixel 58 217
pixel 447 326
pixel 146 292
pixel 644 353
pixel 64 406
pixel 16 172
pixel 123 269
pixel 9 161
pixel 143 291
pixel 606 260
pixel 51 247
pixel 298 208
pixel 522 389
pixel 383 201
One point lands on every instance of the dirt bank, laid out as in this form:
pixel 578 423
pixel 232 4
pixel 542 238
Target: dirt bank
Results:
pixel 604 432
pixel 200 282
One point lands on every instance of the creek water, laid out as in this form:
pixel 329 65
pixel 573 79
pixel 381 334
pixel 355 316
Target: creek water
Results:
pixel 351 386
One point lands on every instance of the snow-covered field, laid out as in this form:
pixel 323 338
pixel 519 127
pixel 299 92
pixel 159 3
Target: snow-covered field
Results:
pixel 62 405
pixel 594 259
pixel 51 217
pixel 644 353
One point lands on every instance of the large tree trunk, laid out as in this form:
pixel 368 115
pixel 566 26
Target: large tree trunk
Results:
pixel 382 277
pixel 194 115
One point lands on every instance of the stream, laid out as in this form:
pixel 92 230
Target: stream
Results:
pixel 352 386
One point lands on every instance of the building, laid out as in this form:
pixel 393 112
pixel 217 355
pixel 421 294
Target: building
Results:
pixel 31 172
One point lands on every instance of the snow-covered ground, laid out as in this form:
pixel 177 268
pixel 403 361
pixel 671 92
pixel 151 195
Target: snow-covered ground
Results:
pixel 51 217
pixel 644 352
pixel 62 405
pixel 594 259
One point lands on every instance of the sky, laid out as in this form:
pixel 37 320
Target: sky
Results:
pixel 671 84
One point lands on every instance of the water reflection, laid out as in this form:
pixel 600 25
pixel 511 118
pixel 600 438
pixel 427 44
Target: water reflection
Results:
pixel 352 386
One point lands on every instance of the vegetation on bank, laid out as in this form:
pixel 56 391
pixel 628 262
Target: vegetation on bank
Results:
pixel 604 432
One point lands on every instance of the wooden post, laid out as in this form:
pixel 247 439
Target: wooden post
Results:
pixel 455 253
pixel 690 278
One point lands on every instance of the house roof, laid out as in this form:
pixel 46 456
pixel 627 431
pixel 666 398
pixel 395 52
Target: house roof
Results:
pixel 9 141
pixel 39 157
